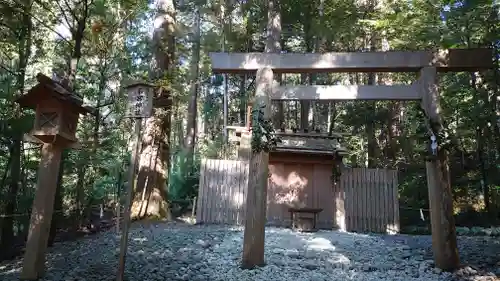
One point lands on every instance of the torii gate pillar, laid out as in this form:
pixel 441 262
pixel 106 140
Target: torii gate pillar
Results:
pixel 444 239
pixel 256 203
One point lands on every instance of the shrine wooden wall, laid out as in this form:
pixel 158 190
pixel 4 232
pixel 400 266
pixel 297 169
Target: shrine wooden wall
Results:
pixel 365 200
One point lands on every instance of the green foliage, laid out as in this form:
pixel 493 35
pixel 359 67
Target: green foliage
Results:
pixel 382 134
pixel 184 177
pixel 217 80
pixel 263 135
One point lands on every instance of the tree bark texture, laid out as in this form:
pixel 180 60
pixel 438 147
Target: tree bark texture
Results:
pixel 151 195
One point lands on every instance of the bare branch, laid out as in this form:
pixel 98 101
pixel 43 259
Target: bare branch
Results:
pixel 118 24
pixel 106 116
pixel 42 22
pixel 71 10
pixel 112 101
pixel 12 29
pixel 2 52
pixel 7 69
pixel 63 12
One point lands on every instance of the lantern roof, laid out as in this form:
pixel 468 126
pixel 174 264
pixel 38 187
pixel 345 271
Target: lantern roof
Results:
pixel 49 88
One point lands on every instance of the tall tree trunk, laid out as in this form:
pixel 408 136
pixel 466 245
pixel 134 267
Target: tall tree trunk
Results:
pixel 80 16
pixel 7 234
pixel 320 108
pixel 494 129
pixel 242 105
pixel 96 127
pixel 24 51
pixel 273 45
pixel 394 130
pixel 480 130
pixel 370 122
pixel 305 105
pixel 190 138
pixel 152 181
pixel 80 189
pixel 394 124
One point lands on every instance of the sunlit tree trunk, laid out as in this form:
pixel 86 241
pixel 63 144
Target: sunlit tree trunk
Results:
pixel 273 45
pixel 371 105
pixel 151 195
pixel 305 105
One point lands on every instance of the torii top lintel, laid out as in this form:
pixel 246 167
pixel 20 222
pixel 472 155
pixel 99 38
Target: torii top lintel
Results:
pixel 391 61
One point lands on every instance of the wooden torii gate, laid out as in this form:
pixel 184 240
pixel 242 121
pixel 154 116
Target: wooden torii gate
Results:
pixel 426 63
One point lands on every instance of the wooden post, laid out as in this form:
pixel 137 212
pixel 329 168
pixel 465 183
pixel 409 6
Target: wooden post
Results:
pixel 444 240
pixel 118 199
pixel 41 214
pixel 245 147
pixel 256 203
pixel 140 98
pixel 193 210
pixel 128 202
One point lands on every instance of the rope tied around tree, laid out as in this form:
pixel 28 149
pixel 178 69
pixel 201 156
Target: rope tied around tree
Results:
pixel 438 136
pixel 440 139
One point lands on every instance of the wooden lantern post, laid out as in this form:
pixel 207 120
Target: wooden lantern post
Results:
pixel 57 112
pixel 140 104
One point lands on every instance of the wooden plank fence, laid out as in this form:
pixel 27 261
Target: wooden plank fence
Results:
pixel 365 200
pixel 370 198
pixel 222 191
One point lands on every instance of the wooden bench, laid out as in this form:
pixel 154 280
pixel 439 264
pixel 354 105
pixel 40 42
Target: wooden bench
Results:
pixel 304 219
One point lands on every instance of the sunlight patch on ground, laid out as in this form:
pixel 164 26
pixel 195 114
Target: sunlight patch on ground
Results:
pixel 188 219
pixel 392 229
pixel 320 244
pixel 4 270
pixel 340 259
pixel 140 240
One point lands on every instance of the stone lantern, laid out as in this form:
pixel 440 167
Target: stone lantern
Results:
pixel 56 117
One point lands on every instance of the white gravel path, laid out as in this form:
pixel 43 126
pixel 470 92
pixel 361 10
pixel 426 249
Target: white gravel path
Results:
pixel 185 252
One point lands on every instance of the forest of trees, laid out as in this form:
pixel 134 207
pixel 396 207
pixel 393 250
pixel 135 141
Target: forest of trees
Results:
pixel 98 46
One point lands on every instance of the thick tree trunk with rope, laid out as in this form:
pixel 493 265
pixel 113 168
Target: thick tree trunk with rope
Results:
pixel 151 195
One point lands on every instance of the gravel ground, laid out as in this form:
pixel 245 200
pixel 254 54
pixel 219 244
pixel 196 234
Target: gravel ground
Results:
pixel 178 251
